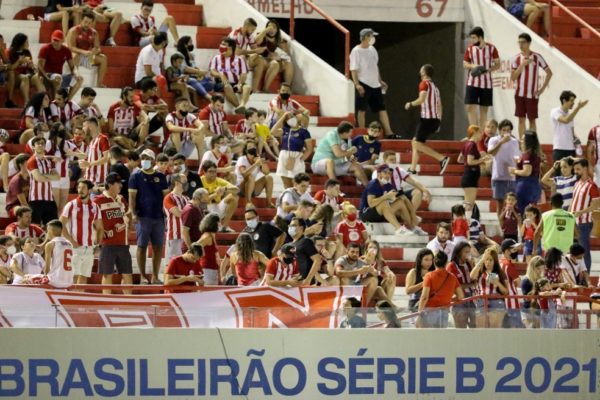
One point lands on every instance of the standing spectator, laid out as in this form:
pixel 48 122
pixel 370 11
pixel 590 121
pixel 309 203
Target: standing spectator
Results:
pixel 370 88
pixel 525 69
pixel 510 251
pixel 557 227
pixel 23 228
pixel 386 314
pixel 460 223
pixel 431 116
pixel 266 236
pixel 147 188
pixel 223 196
pixel 209 226
pixel 248 263
pixel 185 130
pixel 584 202
pixel 173 205
pixel 145 27
pixel 565 142
pixel 282 270
pixel 232 72
pixel 283 103
pixel 439 287
pixel 193 180
pixel 51 60
pixel 97 162
pixel 351 270
pixel 290 198
pixel 191 216
pixel 528 186
pixel 561 179
pixel 63 151
pixel 41 174
pixel 333 157
pixel 117 155
pixel 246 47
pixel 252 176
pixel 491 280
pixel 82 226
pixel 114 251
pixel 504 149
pixel 84 43
pixel 574 271
pixel 185 269
pixel 308 257
pixel 18 188
pixel 276 54
pixel 593 151
pixel 368 146
pixel 127 123
pixel 531 246
pixel 441 241
pixel 296 146
pixel 510 217
pixel 148 101
pixel 535 271
pixel 490 131
pixel 414 279
pixel 150 62
pixel 58 254
pixel 480 60
pixel 22 71
pixel 472 160
pixel 461 266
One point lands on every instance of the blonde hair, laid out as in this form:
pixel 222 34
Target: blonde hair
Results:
pixel 532 273
pixel 348 208
pixel 472 130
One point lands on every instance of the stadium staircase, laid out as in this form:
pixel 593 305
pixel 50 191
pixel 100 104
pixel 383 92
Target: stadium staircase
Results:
pixel 400 252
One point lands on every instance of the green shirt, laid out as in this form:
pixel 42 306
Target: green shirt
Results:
pixel 324 149
pixel 559 229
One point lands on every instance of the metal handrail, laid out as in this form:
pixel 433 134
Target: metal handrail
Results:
pixel 332 21
pixel 571 14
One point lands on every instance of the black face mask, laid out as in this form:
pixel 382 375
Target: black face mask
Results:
pixel 190 47
pixel 251 152
pixel 371 138
pixel 183 113
pixel 288 260
pixel 476 44
pixel 284 96
pixel 514 256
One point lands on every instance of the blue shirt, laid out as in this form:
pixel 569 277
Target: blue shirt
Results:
pixel 373 188
pixel 366 149
pixel 149 199
pixel 294 140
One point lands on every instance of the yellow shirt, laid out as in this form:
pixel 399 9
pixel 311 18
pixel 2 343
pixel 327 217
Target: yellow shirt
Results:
pixel 213 186
pixel 263 131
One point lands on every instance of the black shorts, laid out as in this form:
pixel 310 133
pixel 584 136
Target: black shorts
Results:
pixel 475 95
pixel 43 211
pixel 373 98
pixel 371 215
pixel 426 127
pixel 470 178
pixel 112 256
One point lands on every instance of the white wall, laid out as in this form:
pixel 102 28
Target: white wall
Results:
pixel 502 30
pixel 312 76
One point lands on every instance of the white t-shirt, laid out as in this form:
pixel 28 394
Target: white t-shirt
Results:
pixel 243 162
pixel 578 266
pixel 504 158
pixel 435 246
pixel 365 62
pixel 563 133
pixel 148 56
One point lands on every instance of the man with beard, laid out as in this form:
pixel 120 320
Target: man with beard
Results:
pixel 440 242
pixel 353 271
pixel 127 123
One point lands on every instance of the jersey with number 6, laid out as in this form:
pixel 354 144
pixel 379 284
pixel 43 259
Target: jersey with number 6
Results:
pixel 61 273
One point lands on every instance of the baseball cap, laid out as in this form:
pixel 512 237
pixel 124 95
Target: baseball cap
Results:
pixel 148 153
pixel 113 177
pixel 57 35
pixel 367 32
pixel 383 168
pixel 508 244
pixel 288 249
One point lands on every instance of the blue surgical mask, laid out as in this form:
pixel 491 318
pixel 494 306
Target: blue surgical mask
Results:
pixel 146 164
pixel 292 231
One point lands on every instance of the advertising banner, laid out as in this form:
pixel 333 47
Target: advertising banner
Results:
pixel 299 363
pixel 223 307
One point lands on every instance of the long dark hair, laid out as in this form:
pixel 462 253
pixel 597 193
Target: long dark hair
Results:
pixel 182 48
pixel 210 223
pixel 419 260
pixel 57 136
pixel 531 143
pixel 457 250
pixel 245 247
pixel 37 101
pixel 278 33
pixel 496 269
pixel 16 45
pixel 323 212
pixel 553 258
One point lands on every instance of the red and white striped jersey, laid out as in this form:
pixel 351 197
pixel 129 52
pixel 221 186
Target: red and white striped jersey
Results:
pixel 594 137
pixel 91 112
pixel 583 194
pixel 243 42
pixel 174 225
pixel 98 146
pixel 242 127
pixel 232 67
pixel 482 56
pixel 141 24
pixel 112 212
pixel 215 119
pixel 62 167
pixel 61 271
pixel 32 231
pixel 188 121
pixel 280 270
pixel 81 218
pixel 47 148
pixel 432 106
pixel 124 119
pixel 40 191
pixel 527 82
pixel 484 287
pixel 30 113
pixel 287 106
pixel 511 275
pixel 64 114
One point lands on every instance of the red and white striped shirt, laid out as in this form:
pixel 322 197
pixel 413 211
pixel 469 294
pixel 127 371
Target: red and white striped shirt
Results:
pixel 91 112
pixel 215 119
pixel 232 67
pixel 188 121
pixel 142 25
pixel 242 127
pixel 99 145
pixel 64 114
pixel 48 150
pixel 40 191
pixel 280 270
pixel 583 194
pixel 482 56
pixel 174 224
pixel 30 113
pixel 432 106
pixel 81 220
pixel 511 275
pixel 485 288
pixel 62 166
pixel 32 231
pixel 287 106
pixel 124 119
pixel 594 137
pixel 527 82
pixel 462 273
pixel 243 42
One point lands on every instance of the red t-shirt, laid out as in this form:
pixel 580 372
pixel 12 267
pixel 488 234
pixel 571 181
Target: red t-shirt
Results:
pixel 351 234
pixel 55 59
pixel 510 224
pixel 442 285
pixel 483 142
pixel 178 268
pixel 460 227
pixel 112 212
pixel 281 271
pixel 321 197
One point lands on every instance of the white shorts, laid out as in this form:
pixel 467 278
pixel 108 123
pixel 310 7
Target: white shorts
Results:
pixel 259 175
pixel 85 61
pixel 299 166
pixel 62 183
pixel 173 248
pixel 218 208
pixel 211 277
pixel 83 260
pixel 145 41
pixel 320 168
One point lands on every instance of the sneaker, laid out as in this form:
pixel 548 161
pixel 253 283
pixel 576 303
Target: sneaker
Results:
pixel 394 136
pixel 240 110
pixel 403 231
pixel 444 164
pixel 419 219
pixel 111 42
pixel 419 231
pixel 411 171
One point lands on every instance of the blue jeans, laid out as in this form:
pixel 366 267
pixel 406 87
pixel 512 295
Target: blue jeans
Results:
pixel 201 87
pixel 435 318
pixel 585 231
pixel 528 192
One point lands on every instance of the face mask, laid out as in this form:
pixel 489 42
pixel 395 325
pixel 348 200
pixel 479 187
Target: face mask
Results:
pixel 183 113
pixel 146 164
pixel 514 255
pixel 252 223
pixel 372 138
pixel 190 47
pixel 222 149
pixel 288 260
pixel 292 231
pixel 284 96
pixel 251 152
pixel 372 41
pixel 11 250
pixel 351 217
pixel 292 122
pixel 476 44
pixel 46 134
pixel 222 49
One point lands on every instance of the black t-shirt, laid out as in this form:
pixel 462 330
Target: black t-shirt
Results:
pixel 194 183
pixel 305 249
pixel 124 173
pixel 265 235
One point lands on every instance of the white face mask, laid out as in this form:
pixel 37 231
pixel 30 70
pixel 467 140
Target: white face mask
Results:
pixel 292 231
pixel 372 41
pixel 46 134
pixel 292 122
pixel 252 223
pixel 146 164
pixel 222 149
pixel 10 250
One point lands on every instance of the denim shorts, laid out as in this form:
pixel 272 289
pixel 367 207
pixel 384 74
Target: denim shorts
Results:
pixel 528 248
pixel 150 230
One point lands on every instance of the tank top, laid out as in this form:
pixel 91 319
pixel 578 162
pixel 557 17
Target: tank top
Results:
pixel 84 39
pixel 209 259
pixel 61 272
pixel 247 273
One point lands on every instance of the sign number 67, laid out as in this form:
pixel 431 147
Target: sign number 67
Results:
pixel 425 7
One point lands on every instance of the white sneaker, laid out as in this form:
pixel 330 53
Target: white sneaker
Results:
pixel 111 42
pixel 403 231
pixel 419 231
pixel 419 219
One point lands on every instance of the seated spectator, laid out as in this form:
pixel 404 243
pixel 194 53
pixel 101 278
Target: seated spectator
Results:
pixel 283 269
pixel 531 246
pixel 264 134
pixel 529 11
pixel 387 315
pixel 145 28
pixel 246 47
pixel 230 71
pixel 248 263
pixel 331 195
pixel 290 197
pixel 266 236
pixel 4 65
pixel 23 228
pixel 22 72
pixel 245 128
pixel 128 124
pixel 332 156
pixel 350 230
pixel 213 120
pixel 461 266
pixel 17 190
pixel 88 108
pixel 220 155
pixel 477 238
pixel 561 179
pixel 352 320
pixel 416 193
pixel 535 271
pixel 441 241
pixel 223 196
pixel 283 103
pixel 150 62
pixel 105 14
pixel 37 110
pixel 386 279
pixel 253 176
pixel 63 11
pixel 41 130
pixel 51 59
pixel 193 180
pixel 351 270
pixel 320 223
pixel 491 280
pixel 7 250
pixel 185 130
pixel 64 110
pixel 414 279
pixel 472 160
pixel 368 146
pixel 176 79
pixel 201 81
pixel 27 265
pixel 250 129
pixel 379 203
pixel 490 131
pixel 276 55
pixel 304 210
pixel 296 146
pixel 528 187
pixel 84 43
pixel 460 224
pixel 185 269
pixel 148 101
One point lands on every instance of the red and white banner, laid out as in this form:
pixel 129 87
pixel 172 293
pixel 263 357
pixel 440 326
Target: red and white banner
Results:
pixel 236 307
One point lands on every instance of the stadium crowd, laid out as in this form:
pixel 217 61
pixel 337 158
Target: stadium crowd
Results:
pixel 129 168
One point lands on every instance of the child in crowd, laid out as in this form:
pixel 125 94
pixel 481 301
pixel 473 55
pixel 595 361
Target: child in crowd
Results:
pixel 460 225
pixel 266 140
pixel 527 232
pixel 510 218
pixel 176 79
pixel 546 306
pixel 350 229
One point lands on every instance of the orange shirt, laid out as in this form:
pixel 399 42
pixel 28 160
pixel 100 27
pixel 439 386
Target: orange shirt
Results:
pixel 441 287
